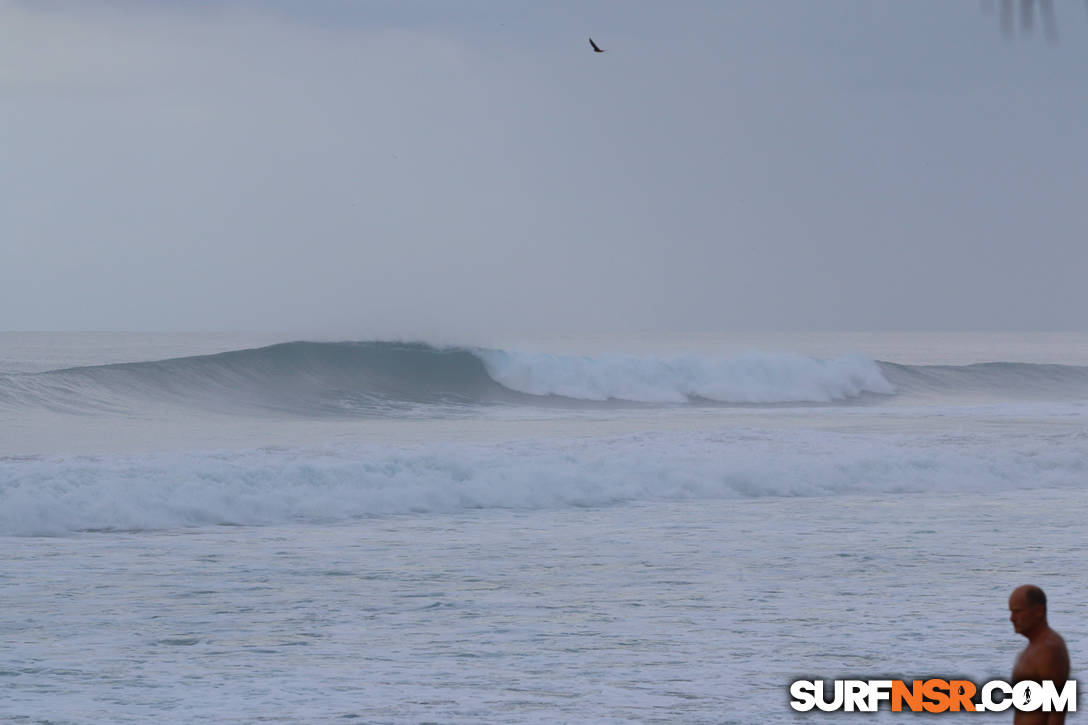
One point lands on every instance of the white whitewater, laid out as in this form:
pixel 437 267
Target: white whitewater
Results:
pixel 580 530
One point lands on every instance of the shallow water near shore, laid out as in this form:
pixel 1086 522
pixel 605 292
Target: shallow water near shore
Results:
pixel 567 562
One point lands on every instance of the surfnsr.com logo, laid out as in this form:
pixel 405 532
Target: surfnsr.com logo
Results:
pixel 933 695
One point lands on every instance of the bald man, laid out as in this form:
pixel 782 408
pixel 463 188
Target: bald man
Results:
pixel 1045 657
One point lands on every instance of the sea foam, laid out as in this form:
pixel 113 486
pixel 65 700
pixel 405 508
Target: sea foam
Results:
pixel 749 378
pixel 54 495
pixel 391 379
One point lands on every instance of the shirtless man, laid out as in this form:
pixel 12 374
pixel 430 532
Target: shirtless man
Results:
pixel 1045 657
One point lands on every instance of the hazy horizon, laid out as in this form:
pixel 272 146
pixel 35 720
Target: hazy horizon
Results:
pixel 428 170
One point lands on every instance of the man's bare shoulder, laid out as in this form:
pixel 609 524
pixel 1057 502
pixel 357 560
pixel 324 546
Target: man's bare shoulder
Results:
pixel 1051 641
pixel 1046 658
pixel 1058 654
pixel 1042 658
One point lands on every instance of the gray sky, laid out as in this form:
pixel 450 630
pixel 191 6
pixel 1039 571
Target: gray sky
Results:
pixel 466 168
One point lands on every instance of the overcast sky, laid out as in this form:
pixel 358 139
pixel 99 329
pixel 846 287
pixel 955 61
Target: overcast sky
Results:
pixel 417 168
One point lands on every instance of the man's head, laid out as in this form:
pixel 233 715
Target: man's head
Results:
pixel 1027 609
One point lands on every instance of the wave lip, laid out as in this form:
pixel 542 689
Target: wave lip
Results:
pixel 751 378
pixel 413 379
pixel 304 378
pixel 394 379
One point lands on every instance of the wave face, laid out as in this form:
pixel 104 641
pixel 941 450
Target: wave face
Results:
pixel 1005 380
pixel 419 380
pixel 299 377
pixel 379 378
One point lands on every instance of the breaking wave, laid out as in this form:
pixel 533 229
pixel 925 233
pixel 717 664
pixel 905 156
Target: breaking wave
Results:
pixel 57 495
pixel 390 378
pixel 415 379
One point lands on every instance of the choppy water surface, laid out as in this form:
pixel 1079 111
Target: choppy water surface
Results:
pixel 218 541
pixel 688 612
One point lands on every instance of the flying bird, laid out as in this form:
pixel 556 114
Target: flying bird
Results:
pixel 595 48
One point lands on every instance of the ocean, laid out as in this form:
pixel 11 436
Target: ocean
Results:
pixel 239 528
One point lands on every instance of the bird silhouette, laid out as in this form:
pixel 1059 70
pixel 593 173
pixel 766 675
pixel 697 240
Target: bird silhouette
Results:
pixel 595 48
